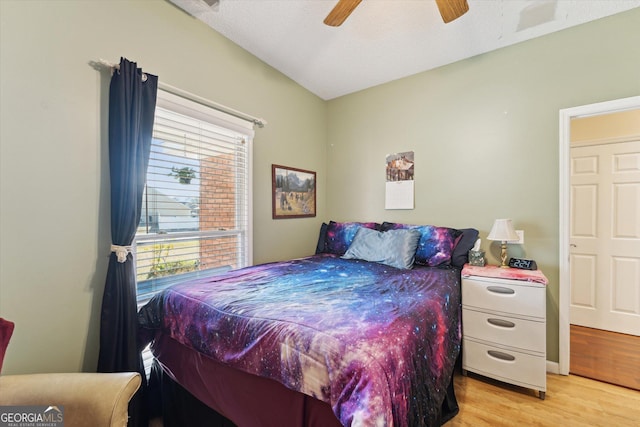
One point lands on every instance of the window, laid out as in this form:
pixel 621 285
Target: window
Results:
pixel 196 214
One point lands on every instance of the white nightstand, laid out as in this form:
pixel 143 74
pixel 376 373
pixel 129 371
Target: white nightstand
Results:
pixel 504 328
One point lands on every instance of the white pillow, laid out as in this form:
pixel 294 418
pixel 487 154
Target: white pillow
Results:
pixel 396 248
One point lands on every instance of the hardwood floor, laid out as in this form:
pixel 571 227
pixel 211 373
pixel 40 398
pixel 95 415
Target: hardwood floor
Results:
pixel 570 401
pixel 605 356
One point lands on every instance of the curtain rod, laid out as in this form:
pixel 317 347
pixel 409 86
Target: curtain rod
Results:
pixel 188 95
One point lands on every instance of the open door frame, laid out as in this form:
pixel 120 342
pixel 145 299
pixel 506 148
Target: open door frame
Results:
pixel 564 295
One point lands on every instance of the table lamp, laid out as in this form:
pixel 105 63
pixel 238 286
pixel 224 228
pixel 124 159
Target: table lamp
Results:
pixel 504 232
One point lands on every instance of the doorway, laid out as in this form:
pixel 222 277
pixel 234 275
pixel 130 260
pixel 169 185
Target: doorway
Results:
pixel 604 249
pixel 564 302
pixel 604 245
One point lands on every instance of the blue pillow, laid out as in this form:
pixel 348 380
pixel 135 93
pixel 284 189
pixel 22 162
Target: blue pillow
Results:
pixel 395 248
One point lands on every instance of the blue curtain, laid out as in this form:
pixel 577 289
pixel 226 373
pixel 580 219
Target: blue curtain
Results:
pixel 132 101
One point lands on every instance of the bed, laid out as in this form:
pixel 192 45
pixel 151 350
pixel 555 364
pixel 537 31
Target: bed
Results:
pixel 363 333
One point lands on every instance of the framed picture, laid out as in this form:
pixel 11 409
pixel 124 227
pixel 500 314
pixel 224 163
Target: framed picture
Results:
pixel 293 192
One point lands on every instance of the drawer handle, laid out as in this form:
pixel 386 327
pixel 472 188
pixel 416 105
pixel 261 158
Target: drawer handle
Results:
pixel 500 290
pixel 501 323
pixel 501 356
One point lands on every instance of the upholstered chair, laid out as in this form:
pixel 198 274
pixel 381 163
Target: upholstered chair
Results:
pixel 86 399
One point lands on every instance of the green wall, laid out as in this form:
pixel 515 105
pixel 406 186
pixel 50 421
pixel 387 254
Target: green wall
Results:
pixel 484 131
pixel 54 216
pixel 485 136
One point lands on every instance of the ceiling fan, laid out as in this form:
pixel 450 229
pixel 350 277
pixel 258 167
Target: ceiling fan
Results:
pixel 449 10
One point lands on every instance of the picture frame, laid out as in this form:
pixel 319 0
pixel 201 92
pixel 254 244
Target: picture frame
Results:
pixel 293 192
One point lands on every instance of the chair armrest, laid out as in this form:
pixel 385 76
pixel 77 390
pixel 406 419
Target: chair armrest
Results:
pixel 89 399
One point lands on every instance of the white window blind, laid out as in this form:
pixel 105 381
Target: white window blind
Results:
pixel 196 208
pixel 195 217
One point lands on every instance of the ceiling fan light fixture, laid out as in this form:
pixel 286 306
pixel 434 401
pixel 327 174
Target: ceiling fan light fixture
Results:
pixel 452 9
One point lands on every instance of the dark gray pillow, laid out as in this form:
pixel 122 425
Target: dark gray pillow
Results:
pixel 322 239
pixel 460 255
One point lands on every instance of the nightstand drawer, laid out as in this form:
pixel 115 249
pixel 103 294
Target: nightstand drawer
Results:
pixel 523 299
pixel 524 334
pixel 506 365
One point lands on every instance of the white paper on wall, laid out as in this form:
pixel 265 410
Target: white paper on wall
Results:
pixel 399 195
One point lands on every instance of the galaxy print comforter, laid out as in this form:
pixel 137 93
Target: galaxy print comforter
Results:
pixel 377 343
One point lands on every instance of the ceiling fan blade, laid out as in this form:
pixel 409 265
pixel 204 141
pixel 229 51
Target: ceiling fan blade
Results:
pixel 340 12
pixel 452 9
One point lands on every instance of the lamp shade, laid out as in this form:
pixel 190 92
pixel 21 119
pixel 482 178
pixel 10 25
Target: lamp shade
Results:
pixel 503 231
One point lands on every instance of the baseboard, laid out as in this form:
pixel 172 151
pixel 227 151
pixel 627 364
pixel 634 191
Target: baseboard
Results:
pixel 553 367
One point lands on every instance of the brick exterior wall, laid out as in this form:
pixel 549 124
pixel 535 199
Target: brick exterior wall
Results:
pixel 217 211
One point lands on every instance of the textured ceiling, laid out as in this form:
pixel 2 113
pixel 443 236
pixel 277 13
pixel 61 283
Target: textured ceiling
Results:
pixel 383 40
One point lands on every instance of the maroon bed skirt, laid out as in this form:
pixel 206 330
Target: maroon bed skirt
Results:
pixel 245 399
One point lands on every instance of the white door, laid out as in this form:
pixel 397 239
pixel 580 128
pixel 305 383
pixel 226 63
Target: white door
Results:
pixel 604 260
